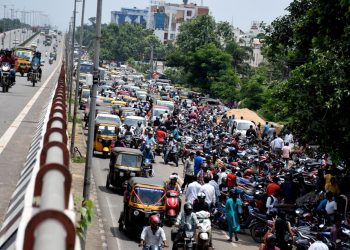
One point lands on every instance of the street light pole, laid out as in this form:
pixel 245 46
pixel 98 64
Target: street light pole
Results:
pixel 89 151
pixel 77 78
pixel 72 62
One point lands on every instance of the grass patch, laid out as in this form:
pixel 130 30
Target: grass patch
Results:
pixel 78 159
pixel 70 118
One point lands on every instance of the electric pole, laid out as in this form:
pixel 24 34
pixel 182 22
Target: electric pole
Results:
pixel 77 78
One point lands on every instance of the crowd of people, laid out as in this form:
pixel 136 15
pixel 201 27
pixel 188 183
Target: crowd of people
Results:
pixel 216 175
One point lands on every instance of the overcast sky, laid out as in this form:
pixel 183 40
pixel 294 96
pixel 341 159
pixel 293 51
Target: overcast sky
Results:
pixel 240 12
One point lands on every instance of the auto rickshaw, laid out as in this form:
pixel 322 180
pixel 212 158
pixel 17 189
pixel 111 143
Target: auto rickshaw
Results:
pixel 106 130
pixel 116 105
pixel 143 198
pixel 126 111
pixel 124 163
pixel 24 57
pixel 129 98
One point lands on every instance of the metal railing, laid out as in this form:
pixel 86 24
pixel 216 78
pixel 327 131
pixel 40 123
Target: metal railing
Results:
pixel 41 212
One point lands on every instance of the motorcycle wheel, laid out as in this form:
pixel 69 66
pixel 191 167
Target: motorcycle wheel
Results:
pixel 33 83
pixel 22 74
pixel 258 231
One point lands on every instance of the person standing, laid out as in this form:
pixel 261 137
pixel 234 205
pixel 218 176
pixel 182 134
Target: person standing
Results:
pixel 188 170
pixel 276 145
pixel 286 154
pixel 209 191
pixel 198 162
pixel 266 130
pixel 231 211
pixel 192 190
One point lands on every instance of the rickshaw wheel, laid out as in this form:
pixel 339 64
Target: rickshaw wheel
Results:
pixel 121 226
pixel 107 182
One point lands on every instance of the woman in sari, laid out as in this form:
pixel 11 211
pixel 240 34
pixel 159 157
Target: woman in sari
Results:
pixel 233 205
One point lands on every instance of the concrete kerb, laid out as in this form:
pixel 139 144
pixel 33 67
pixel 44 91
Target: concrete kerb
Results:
pixel 93 241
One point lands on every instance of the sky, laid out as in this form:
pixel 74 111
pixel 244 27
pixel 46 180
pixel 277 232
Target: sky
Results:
pixel 240 13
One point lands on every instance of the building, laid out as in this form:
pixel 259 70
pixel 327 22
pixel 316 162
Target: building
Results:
pixel 166 18
pixel 129 15
pixel 249 39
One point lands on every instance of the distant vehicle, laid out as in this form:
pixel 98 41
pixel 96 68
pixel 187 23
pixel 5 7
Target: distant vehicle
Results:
pixel 241 126
pixel 24 30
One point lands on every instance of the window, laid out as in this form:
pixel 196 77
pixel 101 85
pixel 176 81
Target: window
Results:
pixel 189 13
pixel 172 36
pixel 165 36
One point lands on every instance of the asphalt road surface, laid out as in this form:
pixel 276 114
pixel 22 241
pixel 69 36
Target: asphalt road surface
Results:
pixel 19 115
pixel 111 205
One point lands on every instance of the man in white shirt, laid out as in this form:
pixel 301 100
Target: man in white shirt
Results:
pixel 277 145
pixel 192 191
pixel 318 244
pixel 153 235
pixel 288 137
pixel 209 191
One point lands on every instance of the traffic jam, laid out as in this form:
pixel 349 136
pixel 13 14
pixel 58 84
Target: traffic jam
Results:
pixel 227 172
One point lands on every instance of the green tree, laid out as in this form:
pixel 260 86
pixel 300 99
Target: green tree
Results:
pixel 312 42
pixel 209 68
pixel 252 92
pixel 197 32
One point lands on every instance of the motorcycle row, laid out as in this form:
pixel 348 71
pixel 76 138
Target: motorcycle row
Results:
pixel 195 129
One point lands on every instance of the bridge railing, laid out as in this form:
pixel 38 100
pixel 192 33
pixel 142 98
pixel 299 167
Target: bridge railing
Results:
pixel 41 212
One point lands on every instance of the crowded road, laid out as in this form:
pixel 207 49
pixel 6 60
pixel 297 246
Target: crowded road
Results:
pixel 111 205
pixel 21 109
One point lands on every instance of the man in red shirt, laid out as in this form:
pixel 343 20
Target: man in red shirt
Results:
pixel 160 135
pixel 273 187
pixel 232 179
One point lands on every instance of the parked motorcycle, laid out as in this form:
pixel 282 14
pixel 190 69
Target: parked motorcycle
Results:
pixel 51 60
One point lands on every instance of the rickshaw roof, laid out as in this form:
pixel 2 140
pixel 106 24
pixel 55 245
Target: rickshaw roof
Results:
pixel 146 181
pixel 133 151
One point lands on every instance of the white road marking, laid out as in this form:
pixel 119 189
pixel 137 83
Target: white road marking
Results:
pixel 6 137
pixel 225 233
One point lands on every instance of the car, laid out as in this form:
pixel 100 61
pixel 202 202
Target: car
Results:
pixel 241 126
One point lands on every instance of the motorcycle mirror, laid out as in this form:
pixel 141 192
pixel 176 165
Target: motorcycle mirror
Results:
pixel 321 226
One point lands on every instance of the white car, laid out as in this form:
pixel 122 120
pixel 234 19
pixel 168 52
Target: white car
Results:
pixel 241 126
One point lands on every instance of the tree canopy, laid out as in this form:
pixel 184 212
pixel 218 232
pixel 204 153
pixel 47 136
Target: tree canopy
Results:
pixel 312 44
pixel 121 42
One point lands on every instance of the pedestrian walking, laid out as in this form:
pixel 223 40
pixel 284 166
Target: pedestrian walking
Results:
pixel 189 171
pixel 232 207
pixel 286 154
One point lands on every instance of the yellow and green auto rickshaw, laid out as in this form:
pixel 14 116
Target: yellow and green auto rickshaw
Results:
pixel 107 127
pixel 124 163
pixel 144 197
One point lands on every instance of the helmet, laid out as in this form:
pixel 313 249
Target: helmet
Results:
pixel 188 208
pixel 37 54
pixel 173 177
pixel 150 132
pixel 201 195
pixel 8 52
pixel 154 220
pixel 171 136
pixel 211 136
